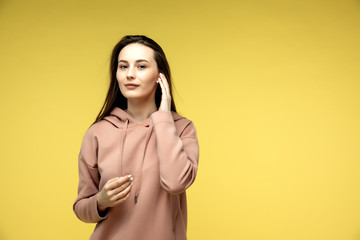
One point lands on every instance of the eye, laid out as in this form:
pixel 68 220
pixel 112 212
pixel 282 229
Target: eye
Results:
pixel 122 66
pixel 141 66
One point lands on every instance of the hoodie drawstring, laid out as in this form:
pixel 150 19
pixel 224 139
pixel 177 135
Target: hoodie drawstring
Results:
pixel 122 145
pixel 138 186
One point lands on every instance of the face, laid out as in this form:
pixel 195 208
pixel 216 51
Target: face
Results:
pixel 137 72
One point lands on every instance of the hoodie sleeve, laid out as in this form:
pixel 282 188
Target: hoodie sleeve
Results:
pixel 85 206
pixel 178 155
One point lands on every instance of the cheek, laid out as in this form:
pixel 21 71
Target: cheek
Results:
pixel 119 79
pixel 118 76
pixel 152 77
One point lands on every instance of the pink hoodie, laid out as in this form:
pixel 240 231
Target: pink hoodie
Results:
pixel 161 154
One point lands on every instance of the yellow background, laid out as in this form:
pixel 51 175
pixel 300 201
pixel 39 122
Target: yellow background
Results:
pixel 272 87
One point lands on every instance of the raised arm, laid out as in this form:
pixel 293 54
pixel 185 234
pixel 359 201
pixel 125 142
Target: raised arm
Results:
pixel 178 155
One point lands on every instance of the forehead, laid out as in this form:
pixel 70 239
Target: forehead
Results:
pixel 135 51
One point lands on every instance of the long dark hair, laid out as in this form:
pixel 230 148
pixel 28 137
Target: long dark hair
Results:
pixel 114 96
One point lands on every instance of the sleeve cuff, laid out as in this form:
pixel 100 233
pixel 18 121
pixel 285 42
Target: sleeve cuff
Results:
pixel 93 203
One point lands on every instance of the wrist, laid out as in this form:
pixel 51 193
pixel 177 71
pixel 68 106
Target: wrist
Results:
pixel 100 207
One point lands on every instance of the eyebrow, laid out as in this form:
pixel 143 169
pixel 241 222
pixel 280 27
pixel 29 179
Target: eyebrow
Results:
pixel 139 60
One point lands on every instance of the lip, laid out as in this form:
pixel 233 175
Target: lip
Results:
pixel 131 85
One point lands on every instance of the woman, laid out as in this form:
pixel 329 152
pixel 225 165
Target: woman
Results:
pixel 139 156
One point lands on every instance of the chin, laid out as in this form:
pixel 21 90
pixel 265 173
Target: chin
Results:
pixel 134 96
pixel 129 94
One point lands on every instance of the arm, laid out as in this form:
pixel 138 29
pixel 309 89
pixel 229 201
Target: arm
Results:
pixel 85 206
pixel 92 204
pixel 178 156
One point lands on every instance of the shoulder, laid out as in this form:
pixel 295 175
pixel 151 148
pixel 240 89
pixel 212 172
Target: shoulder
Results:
pixel 185 127
pixel 93 138
pixel 180 120
pixel 98 129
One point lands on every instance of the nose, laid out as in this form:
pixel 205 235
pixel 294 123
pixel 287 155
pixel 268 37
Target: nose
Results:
pixel 131 72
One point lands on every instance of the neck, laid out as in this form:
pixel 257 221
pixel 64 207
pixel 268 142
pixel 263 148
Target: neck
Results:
pixel 141 110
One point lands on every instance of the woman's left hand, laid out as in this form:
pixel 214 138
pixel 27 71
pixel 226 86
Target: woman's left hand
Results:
pixel 165 104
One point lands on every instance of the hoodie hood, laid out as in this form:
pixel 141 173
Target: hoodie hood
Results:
pixel 118 117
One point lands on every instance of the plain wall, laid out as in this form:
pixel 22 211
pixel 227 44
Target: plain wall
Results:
pixel 272 87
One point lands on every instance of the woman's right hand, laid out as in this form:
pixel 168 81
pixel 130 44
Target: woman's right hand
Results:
pixel 114 192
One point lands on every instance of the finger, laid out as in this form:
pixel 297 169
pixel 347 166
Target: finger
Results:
pixel 121 188
pixel 117 182
pixel 112 180
pixel 163 90
pixel 165 84
pixel 109 184
pixel 122 199
pixel 117 178
pixel 121 194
